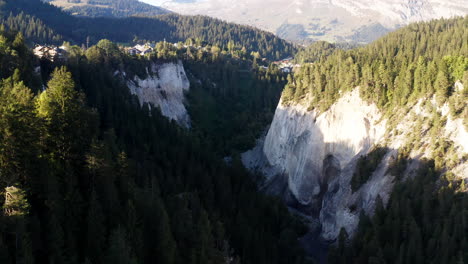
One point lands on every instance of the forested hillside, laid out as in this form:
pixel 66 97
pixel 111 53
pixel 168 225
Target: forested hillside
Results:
pixel 424 222
pixel 235 101
pixel 107 8
pixel 319 50
pixel 411 63
pixel 33 28
pixel 232 98
pixel 89 176
pixel 424 64
pixel 171 27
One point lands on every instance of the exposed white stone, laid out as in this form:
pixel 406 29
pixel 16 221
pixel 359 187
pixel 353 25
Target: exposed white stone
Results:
pixel 164 88
pixel 298 141
pixel 297 146
pixel 341 208
pixel 454 128
pixel 301 146
pixel 458 86
pixel 461 170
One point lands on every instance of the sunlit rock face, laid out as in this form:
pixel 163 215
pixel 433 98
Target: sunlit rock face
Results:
pixel 299 142
pixel 314 155
pixel 164 87
pixel 309 158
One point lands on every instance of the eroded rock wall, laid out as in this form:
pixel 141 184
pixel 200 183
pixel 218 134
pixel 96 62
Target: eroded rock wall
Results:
pixel 299 141
pixel 309 159
pixel 164 87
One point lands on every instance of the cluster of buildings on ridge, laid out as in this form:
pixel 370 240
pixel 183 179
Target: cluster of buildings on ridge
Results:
pixel 143 49
pixel 51 53
pixel 140 49
pixel 286 65
pixel 54 53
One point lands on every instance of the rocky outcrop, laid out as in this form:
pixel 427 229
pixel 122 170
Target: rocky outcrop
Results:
pixel 301 144
pixel 315 154
pixel 164 87
pixel 309 158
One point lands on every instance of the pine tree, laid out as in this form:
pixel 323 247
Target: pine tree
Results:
pixel 442 87
pixel 69 123
pixel 96 231
pixel 18 133
pixel 166 246
pixel 119 251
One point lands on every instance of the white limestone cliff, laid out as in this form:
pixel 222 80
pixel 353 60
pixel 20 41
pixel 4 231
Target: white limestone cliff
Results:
pixel 309 159
pixel 164 87
pixel 348 128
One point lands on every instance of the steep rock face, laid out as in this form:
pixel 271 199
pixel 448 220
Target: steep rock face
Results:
pixel 341 206
pixel 164 88
pixel 299 142
pixel 454 128
pixel 314 155
pixel 309 159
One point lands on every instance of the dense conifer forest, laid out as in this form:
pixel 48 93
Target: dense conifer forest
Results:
pixel 89 176
pixel 414 62
pixel 424 222
pixel 235 102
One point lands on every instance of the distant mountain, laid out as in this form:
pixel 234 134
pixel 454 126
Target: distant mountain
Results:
pixel 108 8
pixel 330 20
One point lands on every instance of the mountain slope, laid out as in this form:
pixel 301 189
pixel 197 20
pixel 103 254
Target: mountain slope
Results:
pixel 171 27
pixel 108 8
pixel 334 20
